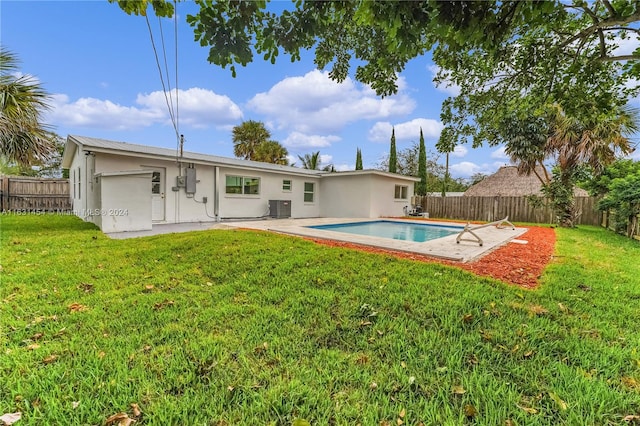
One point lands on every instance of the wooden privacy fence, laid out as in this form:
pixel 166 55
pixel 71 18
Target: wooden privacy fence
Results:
pixel 21 193
pixel 490 209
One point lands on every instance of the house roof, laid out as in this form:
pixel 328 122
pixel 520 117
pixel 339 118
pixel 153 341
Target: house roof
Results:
pixel 369 172
pixel 125 148
pixel 507 182
pixel 130 149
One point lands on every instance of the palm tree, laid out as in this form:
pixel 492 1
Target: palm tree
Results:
pixel 247 137
pixel 24 139
pixel 271 152
pixel 595 140
pixel 311 161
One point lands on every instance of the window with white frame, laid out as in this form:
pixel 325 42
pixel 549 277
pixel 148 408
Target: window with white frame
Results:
pixel 401 192
pixel 242 185
pixel 286 185
pixel 309 189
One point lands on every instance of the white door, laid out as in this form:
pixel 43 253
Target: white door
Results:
pixel 157 195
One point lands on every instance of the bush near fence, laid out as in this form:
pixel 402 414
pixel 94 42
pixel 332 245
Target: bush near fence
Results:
pixel 21 193
pixel 490 209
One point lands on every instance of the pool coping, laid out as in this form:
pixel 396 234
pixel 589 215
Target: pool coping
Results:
pixel 442 248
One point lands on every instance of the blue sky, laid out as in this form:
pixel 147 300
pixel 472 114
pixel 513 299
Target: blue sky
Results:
pixel 99 64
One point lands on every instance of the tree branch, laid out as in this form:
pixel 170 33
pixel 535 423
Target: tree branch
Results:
pixel 619 58
pixel 603 25
pixel 610 8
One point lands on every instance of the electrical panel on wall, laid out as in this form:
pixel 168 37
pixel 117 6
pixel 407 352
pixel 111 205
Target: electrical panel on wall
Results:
pixel 191 180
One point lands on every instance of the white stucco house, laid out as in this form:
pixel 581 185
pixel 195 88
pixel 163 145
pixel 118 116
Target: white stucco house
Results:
pixel 128 187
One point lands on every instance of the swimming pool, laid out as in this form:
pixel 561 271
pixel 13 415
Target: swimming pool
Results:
pixel 416 232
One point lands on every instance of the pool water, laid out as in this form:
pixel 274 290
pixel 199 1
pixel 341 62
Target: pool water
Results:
pixel 417 232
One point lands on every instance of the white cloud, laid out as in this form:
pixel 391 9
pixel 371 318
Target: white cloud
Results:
pixel 301 140
pixel 459 151
pixel 446 86
pixel 499 153
pixel 409 130
pixel 467 169
pixel 345 167
pixel 199 108
pixel 314 103
pixel 325 159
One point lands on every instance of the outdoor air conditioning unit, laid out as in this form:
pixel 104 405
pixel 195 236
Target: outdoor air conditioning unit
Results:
pixel 280 209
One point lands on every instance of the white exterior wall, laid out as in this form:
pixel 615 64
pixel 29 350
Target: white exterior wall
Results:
pixel 123 210
pixel 179 207
pixel 366 195
pixel 346 196
pixel 383 202
pixel 238 206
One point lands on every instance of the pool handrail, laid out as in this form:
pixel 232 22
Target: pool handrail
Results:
pixel 469 229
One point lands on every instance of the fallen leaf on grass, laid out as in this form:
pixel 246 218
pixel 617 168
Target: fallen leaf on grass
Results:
pixel 50 359
pixel 562 405
pixel 136 410
pixel 148 288
pixel 75 404
pixel 86 287
pixel 458 390
pixel 470 410
pixel 33 346
pixel 467 318
pixel 402 413
pixel 119 419
pixel 161 305
pixel 538 310
pixel 630 382
pixel 529 410
pixel 77 307
pixel 37 336
pixel 631 418
pixel 563 308
pixel 10 418
pixel 373 386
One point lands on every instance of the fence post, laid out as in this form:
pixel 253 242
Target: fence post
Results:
pixel 4 193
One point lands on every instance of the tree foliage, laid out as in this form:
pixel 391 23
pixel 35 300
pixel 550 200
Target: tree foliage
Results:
pixel 271 152
pixel 247 137
pixel 24 138
pixel 393 154
pixel 408 165
pixel 421 187
pixel 506 57
pixel 619 184
pixel 358 159
pixel 311 161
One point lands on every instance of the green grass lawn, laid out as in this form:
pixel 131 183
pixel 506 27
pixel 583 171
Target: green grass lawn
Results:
pixel 238 327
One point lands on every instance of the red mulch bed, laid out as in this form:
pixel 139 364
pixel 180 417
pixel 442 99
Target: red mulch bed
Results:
pixel 516 264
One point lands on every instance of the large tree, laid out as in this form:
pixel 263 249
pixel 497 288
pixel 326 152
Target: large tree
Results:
pixel 393 154
pixel 271 152
pixel 247 137
pixel 504 56
pixel 421 187
pixel 24 138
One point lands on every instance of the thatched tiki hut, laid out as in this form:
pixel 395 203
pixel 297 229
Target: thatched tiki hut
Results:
pixel 506 182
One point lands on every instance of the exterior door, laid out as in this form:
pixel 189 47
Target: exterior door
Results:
pixel 157 195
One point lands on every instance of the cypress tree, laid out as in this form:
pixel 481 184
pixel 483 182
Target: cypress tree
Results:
pixel 393 157
pixel 421 187
pixel 359 160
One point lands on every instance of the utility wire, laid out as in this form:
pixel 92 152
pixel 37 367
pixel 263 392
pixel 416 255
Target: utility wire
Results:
pixel 173 119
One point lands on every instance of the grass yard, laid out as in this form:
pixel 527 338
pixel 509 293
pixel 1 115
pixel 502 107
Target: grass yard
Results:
pixel 246 328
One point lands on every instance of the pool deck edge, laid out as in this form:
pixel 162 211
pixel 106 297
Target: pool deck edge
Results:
pixel 442 248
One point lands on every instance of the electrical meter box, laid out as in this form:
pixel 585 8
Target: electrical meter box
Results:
pixel 191 180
